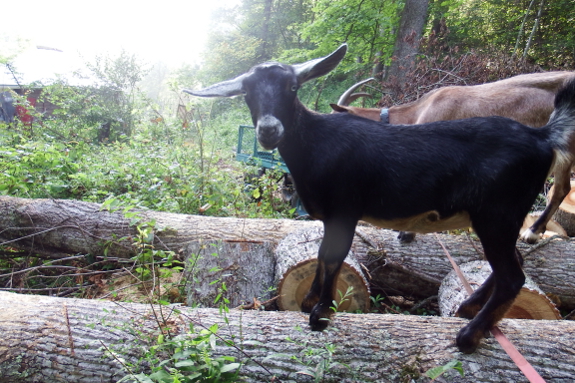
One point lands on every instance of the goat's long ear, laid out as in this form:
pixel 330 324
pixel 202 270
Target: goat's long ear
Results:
pixel 318 67
pixel 227 88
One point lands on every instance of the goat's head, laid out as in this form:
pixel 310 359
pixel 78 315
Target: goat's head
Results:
pixel 270 91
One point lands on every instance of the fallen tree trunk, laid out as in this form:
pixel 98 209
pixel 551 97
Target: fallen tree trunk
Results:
pixel 415 269
pixel 74 340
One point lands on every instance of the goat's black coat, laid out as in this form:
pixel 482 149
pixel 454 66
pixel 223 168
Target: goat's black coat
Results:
pixel 484 172
pixel 363 168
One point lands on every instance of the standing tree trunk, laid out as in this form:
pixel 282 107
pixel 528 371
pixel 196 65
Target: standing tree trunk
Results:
pixel 409 34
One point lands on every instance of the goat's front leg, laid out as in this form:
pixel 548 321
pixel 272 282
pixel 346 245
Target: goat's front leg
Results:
pixel 562 188
pixel 338 235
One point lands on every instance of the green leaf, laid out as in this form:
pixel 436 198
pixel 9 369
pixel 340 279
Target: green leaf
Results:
pixel 436 372
pixel 230 367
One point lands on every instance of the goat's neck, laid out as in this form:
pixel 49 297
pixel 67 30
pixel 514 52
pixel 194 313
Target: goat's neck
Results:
pixel 403 114
pixel 294 146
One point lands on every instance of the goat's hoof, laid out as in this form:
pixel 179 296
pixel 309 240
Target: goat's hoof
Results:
pixel 406 236
pixel 319 319
pixel 529 236
pixel 467 340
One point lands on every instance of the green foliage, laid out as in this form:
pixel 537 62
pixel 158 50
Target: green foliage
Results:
pixel 366 25
pixel 187 358
pixel 195 173
pixel 507 24
pixel 38 169
pixel 436 372
pixel 104 111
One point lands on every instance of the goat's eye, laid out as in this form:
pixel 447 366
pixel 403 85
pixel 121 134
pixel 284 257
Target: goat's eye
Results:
pixel 293 88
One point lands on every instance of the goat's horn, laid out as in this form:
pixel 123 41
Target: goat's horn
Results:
pixel 345 99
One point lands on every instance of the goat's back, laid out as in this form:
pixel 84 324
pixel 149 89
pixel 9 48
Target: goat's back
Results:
pixel 526 98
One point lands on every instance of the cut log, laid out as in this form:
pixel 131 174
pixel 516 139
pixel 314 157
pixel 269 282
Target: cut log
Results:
pixel 296 265
pixel 531 303
pixel 553 227
pixel 565 214
pixel 73 340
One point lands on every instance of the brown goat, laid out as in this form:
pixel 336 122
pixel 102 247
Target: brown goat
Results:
pixel 527 98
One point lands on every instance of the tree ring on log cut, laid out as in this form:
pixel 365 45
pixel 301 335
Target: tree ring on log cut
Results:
pixel 531 303
pixel 296 266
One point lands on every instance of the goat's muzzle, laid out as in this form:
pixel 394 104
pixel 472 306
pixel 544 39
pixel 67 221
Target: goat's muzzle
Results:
pixel 270 131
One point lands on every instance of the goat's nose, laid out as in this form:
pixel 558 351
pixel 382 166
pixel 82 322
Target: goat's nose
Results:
pixel 270 131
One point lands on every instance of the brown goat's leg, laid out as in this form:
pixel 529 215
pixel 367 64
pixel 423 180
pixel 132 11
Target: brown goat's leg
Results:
pixel 333 250
pixel 507 279
pixel 562 188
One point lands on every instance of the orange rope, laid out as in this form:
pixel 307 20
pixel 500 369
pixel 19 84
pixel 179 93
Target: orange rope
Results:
pixel 526 368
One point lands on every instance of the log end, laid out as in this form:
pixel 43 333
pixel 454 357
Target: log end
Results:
pixel 297 281
pixel 532 304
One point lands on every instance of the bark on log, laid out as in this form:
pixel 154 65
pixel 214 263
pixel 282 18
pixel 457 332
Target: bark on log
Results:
pixel 68 226
pixel 246 270
pixel 531 303
pixel 65 340
pixel 415 269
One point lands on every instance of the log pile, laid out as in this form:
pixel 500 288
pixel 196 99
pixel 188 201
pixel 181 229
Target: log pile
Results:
pixel 73 334
pixel 393 268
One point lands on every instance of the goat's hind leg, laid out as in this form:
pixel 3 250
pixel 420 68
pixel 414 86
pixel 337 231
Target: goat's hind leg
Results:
pixel 472 305
pixel 335 245
pixel 506 280
pixel 562 188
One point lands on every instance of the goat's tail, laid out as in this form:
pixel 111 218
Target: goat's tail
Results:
pixel 562 124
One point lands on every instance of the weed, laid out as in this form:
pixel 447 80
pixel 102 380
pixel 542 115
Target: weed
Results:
pixel 436 372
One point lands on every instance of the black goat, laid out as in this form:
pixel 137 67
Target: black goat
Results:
pixel 479 172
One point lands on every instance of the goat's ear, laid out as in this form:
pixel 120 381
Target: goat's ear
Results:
pixel 227 88
pixel 318 67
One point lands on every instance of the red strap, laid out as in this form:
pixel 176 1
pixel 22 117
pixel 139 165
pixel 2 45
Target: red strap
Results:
pixel 526 368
